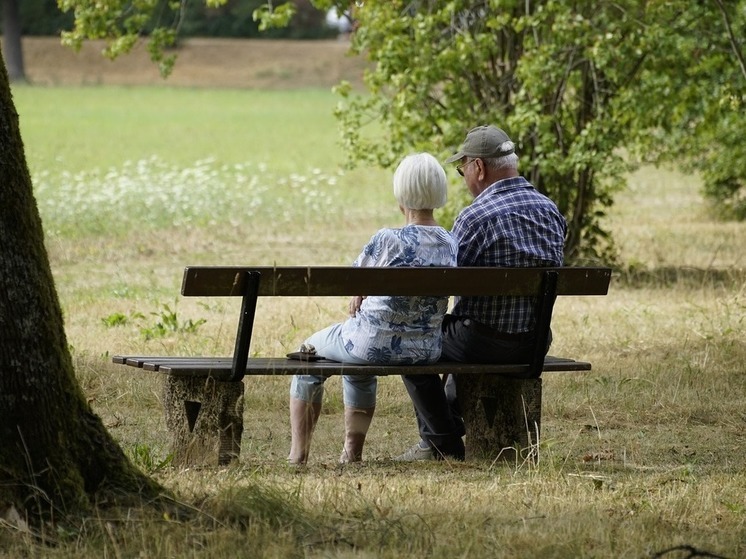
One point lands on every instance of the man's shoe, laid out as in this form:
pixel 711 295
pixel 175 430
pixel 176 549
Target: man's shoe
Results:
pixel 416 454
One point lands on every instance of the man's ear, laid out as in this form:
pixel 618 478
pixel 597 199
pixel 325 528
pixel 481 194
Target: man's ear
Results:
pixel 482 169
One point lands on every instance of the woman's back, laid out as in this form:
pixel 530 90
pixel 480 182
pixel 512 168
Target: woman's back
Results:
pixel 401 329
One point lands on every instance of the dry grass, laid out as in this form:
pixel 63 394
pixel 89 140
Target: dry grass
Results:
pixel 231 63
pixel 645 453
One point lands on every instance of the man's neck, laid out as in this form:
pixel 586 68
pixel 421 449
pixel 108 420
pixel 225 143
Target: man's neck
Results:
pixel 502 174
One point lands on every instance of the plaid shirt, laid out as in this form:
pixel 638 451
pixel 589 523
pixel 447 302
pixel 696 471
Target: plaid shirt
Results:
pixel 510 224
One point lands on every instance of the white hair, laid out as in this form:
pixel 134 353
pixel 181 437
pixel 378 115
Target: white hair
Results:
pixel 420 182
pixel 509 161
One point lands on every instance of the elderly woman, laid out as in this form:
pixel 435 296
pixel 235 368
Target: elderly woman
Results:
pixel 381 330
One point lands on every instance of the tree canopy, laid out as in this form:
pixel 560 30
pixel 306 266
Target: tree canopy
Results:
pixel 585 89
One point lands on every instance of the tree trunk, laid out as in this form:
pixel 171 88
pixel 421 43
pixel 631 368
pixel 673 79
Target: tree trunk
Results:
pixel 502 416
pixel 55 454
pixel 12 47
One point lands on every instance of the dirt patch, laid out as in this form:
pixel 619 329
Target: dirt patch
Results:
pixel 240 63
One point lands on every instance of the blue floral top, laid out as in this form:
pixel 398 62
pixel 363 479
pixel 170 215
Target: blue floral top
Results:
pixel 401 330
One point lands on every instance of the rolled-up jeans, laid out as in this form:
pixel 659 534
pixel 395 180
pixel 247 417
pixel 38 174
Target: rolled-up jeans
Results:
pixel 435 403
pixel 358 391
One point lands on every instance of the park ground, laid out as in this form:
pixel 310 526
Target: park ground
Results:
pixel 201 63
pixel 645 453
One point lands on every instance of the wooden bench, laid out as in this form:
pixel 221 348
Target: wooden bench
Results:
pixel 501 404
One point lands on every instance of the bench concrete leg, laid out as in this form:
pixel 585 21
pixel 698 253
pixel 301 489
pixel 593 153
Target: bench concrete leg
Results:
pixel 502 416
pixel 205 419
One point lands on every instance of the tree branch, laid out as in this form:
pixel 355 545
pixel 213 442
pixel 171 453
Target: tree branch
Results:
pixel 733 43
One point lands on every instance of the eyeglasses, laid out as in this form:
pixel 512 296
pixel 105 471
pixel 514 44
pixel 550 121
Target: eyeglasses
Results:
pixel 460 168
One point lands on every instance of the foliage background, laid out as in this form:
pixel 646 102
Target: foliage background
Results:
pixel 231 19
pixel 587 90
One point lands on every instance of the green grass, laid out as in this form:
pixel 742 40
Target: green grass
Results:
pixel 645 453
pixel 110 160
pixel 79 129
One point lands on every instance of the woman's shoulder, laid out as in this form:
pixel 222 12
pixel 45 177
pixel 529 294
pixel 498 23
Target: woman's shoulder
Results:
pixel 386 233
pixel 429 230
pixel 413 235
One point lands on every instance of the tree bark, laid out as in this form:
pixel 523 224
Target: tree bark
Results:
pixel 55 454
pixel 12 46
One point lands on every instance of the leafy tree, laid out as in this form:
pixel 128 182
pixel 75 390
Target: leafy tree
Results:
pixel 583 87
pixel 702 77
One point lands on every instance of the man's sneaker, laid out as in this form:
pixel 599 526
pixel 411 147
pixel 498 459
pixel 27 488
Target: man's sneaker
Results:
pixel 417 453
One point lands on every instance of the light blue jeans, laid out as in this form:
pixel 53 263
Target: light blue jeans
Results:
pixel 358 391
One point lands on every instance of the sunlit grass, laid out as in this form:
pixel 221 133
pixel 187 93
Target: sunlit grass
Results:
pixel 82 128
pixel 151 194
pixel 105 161
pixel 661 220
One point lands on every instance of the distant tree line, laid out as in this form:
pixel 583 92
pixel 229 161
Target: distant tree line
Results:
pixel 234 19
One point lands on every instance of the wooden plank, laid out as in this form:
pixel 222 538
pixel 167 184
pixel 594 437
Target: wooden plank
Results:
pixel 220 367
pixel 135 360
pixel 155 364
pixel 294 281
pixel 151 362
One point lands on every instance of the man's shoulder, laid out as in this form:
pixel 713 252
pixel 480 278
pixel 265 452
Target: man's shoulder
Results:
pixel 478 210
pixel 510 183
pixel 520 191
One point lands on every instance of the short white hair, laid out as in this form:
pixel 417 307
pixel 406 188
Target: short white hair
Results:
pixel 509 161
pixel 420 183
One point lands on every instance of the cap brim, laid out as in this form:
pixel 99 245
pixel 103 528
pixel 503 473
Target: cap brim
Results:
pixel 455 157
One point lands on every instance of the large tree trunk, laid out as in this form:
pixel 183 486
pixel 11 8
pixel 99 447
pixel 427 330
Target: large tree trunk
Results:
pixel 55 454
pixel 12 47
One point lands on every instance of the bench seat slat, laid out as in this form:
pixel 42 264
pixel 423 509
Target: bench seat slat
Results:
pixel 220 367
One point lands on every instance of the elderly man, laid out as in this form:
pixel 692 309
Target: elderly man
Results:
pixel 508 224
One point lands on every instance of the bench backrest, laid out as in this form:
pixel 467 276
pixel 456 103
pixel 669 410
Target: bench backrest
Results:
pixel 340 280
pixel 251 282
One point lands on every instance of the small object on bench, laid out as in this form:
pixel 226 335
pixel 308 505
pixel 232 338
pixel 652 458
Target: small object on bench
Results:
pixel 305 353
pixel 501 404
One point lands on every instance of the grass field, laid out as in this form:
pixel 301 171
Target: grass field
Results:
pixel 645 453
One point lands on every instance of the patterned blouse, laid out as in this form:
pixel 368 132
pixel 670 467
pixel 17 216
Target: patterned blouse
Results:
pixel 401 330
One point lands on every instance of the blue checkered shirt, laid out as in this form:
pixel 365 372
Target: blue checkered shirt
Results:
pixel 510 224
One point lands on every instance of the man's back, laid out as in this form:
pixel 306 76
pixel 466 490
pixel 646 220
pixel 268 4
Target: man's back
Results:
pixel 510 224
